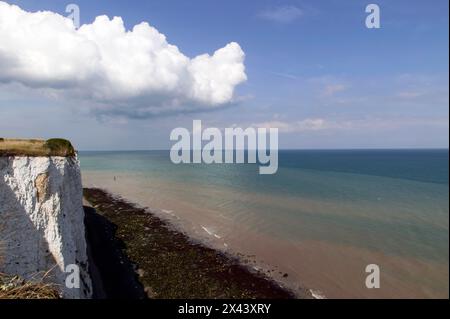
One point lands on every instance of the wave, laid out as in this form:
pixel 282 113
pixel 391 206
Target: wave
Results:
pixel 317 294
pixel 211 233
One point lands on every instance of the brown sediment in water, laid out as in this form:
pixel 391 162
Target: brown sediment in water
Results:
pixel 168 264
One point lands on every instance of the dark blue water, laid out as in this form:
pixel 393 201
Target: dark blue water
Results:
pixel 420 165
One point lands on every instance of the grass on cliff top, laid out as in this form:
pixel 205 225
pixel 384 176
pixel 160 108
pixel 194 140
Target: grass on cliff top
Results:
pixel 35 147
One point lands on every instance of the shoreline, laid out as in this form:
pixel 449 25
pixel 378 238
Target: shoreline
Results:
pixel 164 262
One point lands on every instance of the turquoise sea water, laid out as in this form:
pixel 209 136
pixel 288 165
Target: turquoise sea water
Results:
pixel 322 217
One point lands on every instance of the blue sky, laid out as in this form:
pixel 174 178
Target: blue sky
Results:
pixel 313 69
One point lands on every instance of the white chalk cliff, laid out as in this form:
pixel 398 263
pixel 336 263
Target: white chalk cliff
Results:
pixel 42 220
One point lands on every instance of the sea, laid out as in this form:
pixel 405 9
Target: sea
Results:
pixel 317 224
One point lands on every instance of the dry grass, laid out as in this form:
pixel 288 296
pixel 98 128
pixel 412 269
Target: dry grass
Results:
pixel 35 147
pixel 14 287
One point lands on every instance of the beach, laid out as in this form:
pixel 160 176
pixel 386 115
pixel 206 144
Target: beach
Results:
pixel 138 255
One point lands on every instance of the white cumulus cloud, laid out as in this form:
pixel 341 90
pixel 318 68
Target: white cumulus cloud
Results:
pixel 129 72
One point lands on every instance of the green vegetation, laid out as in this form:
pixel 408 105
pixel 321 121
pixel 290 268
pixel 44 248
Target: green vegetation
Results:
pixel 60 146
pixel 35 147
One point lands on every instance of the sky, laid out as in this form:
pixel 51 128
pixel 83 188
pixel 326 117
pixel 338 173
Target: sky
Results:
pixel 311 68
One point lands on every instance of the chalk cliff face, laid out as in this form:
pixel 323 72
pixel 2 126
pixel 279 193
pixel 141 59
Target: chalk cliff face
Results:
pixel 42 221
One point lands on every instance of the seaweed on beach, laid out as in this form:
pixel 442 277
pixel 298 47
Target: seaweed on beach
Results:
pixel 168 264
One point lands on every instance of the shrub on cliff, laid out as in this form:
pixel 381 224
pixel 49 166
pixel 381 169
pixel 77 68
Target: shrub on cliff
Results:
pixel 60 147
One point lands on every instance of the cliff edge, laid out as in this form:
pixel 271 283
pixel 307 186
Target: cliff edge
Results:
pixel 41 217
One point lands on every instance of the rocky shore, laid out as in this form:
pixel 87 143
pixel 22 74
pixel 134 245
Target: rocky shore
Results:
pixel 138 255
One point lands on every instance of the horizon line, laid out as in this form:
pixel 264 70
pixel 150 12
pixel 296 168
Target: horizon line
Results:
pixel 288 149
